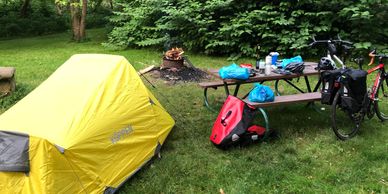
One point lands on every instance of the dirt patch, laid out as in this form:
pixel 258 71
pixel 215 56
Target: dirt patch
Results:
pixel 184 74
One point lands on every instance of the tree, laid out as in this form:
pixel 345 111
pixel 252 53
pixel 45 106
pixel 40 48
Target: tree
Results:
pixel 24 9
pixel 78 12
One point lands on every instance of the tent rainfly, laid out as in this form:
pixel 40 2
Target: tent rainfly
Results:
pixel 86 129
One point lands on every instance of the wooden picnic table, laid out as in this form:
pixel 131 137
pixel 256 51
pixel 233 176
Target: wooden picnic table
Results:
pixel 310 95
pixel 260 78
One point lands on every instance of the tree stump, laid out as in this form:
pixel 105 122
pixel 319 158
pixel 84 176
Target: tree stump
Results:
pixel 169 63
pixel 7 80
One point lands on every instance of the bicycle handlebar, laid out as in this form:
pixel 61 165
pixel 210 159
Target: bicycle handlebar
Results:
pixel 344 42
pixel 332 50
pixel 373 54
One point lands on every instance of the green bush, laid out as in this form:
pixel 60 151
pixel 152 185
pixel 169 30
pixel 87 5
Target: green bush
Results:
pixel 236 27
pixel 41 19
pixel 97 18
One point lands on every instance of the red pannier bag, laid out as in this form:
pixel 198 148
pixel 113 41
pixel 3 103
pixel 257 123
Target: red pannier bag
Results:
pixel 234 124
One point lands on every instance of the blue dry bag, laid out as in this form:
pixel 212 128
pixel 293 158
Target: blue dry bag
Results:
pixel 261 94
pixel 234 71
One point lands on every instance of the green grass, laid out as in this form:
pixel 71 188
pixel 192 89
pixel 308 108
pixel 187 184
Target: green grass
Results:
pixel 304 158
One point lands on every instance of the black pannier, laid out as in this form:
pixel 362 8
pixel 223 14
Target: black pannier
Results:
pixel 329 89
pixel 354 91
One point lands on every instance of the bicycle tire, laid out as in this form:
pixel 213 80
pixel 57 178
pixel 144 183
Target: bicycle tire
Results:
pixel 381 105
pixel 343 123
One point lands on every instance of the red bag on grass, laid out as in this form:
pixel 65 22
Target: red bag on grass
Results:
pixel 233 124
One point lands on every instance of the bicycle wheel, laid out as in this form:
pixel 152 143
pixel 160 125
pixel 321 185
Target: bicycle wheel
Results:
pixel 381 104
pixel 344 124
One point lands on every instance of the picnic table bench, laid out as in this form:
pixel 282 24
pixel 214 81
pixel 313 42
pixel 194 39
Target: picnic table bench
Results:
pixel 288 99
pixel 283 100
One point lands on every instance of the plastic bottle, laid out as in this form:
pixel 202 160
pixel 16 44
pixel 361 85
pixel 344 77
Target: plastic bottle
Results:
pixel 268 63
pixel 261 66
pixel 274 56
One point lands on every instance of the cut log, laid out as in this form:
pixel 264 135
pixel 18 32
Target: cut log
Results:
pixel 145 70
pixel 7 80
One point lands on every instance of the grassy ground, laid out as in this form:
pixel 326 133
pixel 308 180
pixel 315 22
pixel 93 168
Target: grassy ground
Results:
pixel 304 158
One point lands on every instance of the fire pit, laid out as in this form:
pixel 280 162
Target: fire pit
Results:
pixel 173 59
pixel 169 63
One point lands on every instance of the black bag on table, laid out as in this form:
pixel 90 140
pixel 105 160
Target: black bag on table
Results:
pixel 329 86
pixel 354 91
pixel 233 125
pixel 295 67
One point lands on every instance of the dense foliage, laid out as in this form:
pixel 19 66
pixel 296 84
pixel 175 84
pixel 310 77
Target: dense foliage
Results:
pixel 236 27
pixel 41 17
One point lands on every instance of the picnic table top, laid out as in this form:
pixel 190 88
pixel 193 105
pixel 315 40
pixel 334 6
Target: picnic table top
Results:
pixel 308 71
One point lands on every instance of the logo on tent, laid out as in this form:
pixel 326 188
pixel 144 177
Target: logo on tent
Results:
pixel 117 136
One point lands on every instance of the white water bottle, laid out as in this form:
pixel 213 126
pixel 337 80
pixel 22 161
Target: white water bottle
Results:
pixel 268 63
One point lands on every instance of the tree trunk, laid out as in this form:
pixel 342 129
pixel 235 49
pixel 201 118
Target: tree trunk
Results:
pixel 78 20
pixel 83 19
pixel 75 20
pixel 111 4
pixel 24 9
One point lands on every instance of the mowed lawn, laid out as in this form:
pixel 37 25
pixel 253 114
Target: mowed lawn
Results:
pixel 303 157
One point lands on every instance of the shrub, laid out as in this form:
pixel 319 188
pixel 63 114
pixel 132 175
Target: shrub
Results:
pixel 236 27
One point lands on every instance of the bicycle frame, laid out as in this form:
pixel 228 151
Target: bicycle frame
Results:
pixel 381 70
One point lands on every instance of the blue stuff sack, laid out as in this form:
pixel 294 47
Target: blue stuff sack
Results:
pixel 234 71
pixel 285 62
pixel 261 93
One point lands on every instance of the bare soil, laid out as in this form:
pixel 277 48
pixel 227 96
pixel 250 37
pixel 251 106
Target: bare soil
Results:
pixel 184 74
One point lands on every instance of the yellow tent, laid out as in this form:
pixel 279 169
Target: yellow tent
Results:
pixel 86 129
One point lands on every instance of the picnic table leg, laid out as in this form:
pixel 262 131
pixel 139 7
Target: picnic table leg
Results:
pixel 205 98
pixel 312 104
pixel 317 86
pixel 206 101
pixel 307 83
pixel 226 89
pixel 277 88
pixel 266 133
pixel 236 90
pixel 293 85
